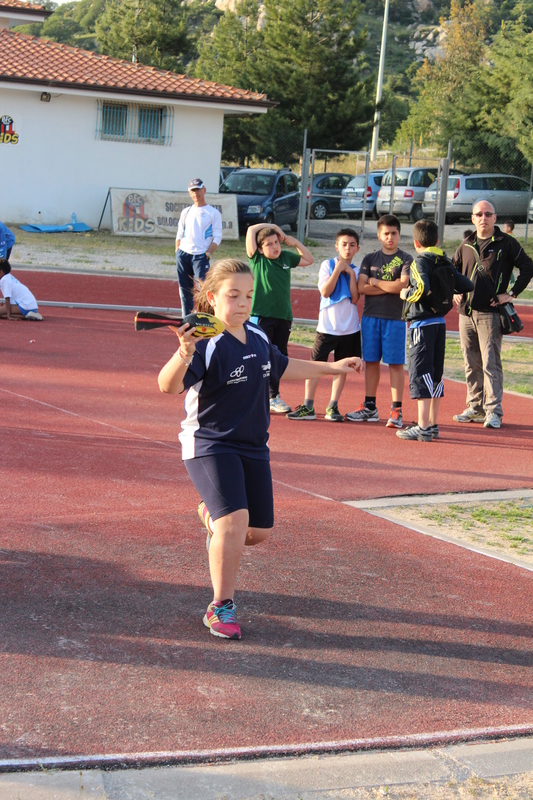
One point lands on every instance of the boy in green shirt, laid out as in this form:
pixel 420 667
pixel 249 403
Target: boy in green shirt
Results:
pixel 271 307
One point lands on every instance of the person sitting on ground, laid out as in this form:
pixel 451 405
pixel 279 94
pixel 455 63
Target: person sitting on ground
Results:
pixel 271 309
pixel 7 240
pixel 19 301
pixel 433 281
pixel 338 328
pixel 382 275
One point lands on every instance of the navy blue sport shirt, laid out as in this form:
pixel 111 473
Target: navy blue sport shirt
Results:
pixel 227 402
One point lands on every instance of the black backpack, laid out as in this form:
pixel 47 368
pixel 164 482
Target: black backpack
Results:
pixel 442 287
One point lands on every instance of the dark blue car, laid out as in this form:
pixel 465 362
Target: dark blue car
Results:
pixel 264 195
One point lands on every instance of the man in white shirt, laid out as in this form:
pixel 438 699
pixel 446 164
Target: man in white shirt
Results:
pixel 199 235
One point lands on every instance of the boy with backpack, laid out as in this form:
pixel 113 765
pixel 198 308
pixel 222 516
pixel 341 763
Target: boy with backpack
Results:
pixel 338 330
pixel 433 282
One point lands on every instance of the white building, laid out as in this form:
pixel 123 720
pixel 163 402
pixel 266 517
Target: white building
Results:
pixel 74 123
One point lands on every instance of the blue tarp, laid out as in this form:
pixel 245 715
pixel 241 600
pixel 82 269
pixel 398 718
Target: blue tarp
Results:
pixel 75 226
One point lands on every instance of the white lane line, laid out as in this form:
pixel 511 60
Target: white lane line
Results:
pixel 413 740
pixel 89 419
pixel 305 491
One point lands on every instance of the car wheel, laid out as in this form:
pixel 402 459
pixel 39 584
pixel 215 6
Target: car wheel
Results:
pixel 416 213
pixel 319 211
pixel 375 214
pixel 270 219
pixel 294 226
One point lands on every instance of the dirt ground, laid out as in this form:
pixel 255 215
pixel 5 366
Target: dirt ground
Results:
pixel 504 527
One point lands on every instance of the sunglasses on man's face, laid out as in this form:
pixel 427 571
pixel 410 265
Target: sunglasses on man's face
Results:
pixel 483 214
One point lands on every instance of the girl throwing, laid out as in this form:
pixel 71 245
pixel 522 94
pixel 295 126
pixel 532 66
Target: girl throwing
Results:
pixel 225 434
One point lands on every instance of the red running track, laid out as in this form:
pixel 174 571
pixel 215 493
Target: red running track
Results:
pixel 75 288
pixel 353 627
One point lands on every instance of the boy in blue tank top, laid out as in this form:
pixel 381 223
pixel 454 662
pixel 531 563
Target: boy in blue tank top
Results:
pixel 338 329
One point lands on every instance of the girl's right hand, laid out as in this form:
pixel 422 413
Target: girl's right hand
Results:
pixel 186 336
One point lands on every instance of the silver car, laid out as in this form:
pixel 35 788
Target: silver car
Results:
pixel 353 195
pixel 508 194
pixel 409 189
pixel 430 197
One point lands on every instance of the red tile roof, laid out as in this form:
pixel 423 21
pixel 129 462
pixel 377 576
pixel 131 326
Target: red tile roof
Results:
pixel 16 5
pixel 28 59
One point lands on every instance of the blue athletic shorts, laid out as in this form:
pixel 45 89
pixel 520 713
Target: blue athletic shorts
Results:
pixel 227 482
pixel 25 311
pixel 383 340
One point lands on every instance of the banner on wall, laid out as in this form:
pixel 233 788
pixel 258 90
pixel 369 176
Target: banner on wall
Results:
pixel 143 212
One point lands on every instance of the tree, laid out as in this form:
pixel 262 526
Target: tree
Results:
pixel 154 32
pixel 303 54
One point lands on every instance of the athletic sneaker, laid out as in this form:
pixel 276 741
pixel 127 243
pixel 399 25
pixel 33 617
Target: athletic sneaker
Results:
pixel 469 415
pixel 363 414
pixel 205 517
pixel 221 621
pixel 302 412
pixel 333 414
pixel 395 418
pixel 415 432
pixel 278 406
pixel 434 431
pixel 492 421
pixel 33 315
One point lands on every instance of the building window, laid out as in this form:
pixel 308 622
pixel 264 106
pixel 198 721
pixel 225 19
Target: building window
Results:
pixel 133 122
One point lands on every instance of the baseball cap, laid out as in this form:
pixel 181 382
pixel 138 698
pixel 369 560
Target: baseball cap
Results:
pixel 196 183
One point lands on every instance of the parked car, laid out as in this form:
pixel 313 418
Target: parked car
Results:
pixel 508 194
pixel 326 194
pixel 430 197
pixel 409 189
pixel 224 172
pixel 264 195
pixel 353 195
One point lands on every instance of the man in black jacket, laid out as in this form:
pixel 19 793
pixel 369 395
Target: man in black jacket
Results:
pixel 487 257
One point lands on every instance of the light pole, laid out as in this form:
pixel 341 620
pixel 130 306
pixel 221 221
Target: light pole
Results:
pixel 375 134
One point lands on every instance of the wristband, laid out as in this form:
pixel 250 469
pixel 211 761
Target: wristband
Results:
pixel 183 357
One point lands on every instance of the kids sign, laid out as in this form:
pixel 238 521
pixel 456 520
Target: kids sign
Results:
pixel 8 134
pixel 145 212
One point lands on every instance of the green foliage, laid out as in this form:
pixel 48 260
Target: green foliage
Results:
pixel 303 54
pixel 152 32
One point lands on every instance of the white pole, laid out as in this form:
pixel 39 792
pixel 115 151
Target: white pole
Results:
pixel 379 92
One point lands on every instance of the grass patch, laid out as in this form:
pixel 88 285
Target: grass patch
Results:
pixel 517 361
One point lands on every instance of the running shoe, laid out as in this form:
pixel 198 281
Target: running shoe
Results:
pixel 469 415
pixel 333 414
pixel 492 421
pixel 395 419
pixel 278 406
pixel 221 621
pixel 205 518
pixel 416 433
pixel 302 412
pixel 33 315
pixel 363 414
pixel 434 431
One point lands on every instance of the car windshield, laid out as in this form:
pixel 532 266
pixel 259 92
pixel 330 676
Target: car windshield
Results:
pixel 245 183
pixel 402 178
pixel 358 182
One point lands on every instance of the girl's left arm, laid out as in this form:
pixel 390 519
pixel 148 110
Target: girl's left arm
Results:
pixel 298 370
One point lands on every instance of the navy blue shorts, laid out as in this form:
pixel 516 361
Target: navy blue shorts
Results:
pixel 227 482
pixel 427 345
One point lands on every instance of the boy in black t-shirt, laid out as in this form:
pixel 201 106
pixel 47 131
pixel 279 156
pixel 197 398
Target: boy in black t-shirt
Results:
pixel 382 276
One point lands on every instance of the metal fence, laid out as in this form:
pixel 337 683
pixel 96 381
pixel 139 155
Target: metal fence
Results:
pixel 337 186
